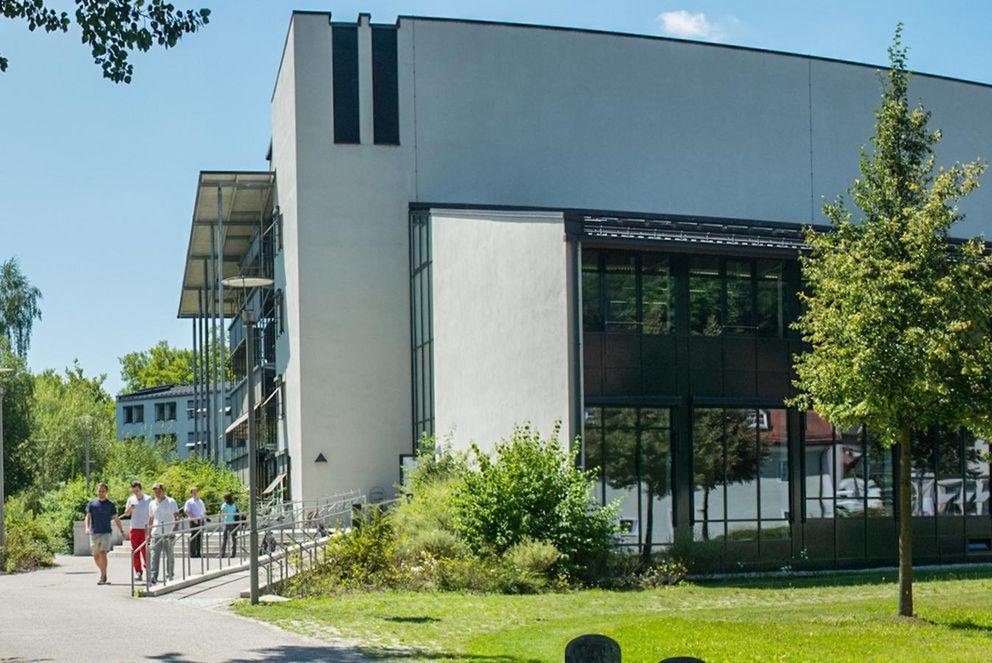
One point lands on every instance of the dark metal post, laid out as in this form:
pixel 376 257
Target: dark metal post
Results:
pixel 196 391
pixel 221 433
pixel 248 317
pixel 3 534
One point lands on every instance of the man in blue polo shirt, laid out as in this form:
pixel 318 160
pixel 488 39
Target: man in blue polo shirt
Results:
pixel 99 513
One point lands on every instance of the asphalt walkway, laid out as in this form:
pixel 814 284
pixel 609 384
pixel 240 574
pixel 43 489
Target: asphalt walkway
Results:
pixel 61 614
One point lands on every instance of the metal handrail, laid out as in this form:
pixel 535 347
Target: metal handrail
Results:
pixel 293 515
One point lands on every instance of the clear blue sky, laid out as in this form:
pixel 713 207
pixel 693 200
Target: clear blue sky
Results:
pixel 97 180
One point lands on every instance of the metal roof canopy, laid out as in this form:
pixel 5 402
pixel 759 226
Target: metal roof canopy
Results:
pixel 247 202
pixel 703 232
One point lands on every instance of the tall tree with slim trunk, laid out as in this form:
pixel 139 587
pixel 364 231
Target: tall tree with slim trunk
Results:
pixel 896 314
pixel 18 306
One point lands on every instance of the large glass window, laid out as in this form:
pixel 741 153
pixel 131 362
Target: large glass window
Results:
pixel 736 296
pixel 740 473
pixel 976 492
pixel 621 291
pixel 740 297
pixel 846 472
pixel 630 451
pixel 627 291
pixel 705 296
pixel 421 325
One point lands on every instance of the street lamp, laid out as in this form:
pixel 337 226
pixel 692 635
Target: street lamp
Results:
pixel 249 317
pixel 3 534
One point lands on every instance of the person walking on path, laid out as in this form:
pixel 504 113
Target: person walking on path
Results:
pixel 137 509
pixel 229 511
pixel 163 514
pixel 99 513
pixel 196 511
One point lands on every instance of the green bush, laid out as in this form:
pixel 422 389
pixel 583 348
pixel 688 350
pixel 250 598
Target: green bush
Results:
pixel 664 574
pixel 29 545
pixel 531 488
pixel 698 556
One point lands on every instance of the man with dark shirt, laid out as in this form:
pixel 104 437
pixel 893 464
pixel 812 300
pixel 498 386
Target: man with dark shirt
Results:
pixel 99 513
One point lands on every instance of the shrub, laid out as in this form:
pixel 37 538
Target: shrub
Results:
pixel 362 557
pixel 530 487
pixel 29 545
pixel 698 556
pixel 664 574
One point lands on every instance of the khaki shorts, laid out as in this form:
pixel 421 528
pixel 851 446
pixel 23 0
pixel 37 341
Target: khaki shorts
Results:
pixel 100 543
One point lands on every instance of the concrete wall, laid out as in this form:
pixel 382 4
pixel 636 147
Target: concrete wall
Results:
pixel 287 265
pixel 530 116
pixel 350 311
pixel 501 333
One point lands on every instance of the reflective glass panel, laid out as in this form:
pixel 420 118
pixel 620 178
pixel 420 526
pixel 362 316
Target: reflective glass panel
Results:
pixel 770 315
pixel 977 477
pixel 657 294
pixel 818 457
pixel 739 302
pixel 923 477
pixel 705 291
pixel 949 486
pixel 773 437
pixel 742 463
pixel 621 292
pixel 707 465
pixel 880 485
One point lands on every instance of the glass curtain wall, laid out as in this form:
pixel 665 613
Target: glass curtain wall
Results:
pixel 740 473
pixel 421 326
pixel 624 291
pixel 629 449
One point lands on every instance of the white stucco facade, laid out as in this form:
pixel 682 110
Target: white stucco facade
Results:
pixel 500 324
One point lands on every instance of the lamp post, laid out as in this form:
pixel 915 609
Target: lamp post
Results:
pixel 249 319
pixel 3 530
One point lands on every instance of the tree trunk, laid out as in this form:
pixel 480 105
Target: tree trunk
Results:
pixel 648 526
pixel 905 525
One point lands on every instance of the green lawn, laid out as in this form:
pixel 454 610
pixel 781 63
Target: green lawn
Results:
pixel 829 618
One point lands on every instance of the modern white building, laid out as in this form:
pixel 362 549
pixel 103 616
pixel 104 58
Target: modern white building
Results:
pixel 473 225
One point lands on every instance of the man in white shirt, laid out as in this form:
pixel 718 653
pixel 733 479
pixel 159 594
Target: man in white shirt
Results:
pixel 163 514
pixel 137 509
pixel 196 511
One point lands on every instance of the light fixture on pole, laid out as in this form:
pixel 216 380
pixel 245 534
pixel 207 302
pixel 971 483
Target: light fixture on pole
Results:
pixel 249 317
pixel 3 531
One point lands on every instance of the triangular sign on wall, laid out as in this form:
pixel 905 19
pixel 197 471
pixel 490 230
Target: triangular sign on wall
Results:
pixel 320 458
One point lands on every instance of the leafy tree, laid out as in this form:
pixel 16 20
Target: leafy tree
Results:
pixel 530 488
pixel 161 365
pixel 68 409
pixel 897 315
pixel 113 29
pixel 715 431
pixel 18 386
pixel 18 306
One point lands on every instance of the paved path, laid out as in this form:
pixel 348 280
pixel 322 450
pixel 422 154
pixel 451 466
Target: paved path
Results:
pixel 61 614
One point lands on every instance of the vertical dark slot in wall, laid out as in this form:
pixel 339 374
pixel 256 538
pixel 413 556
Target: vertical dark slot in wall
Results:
pixel 385 90
pixel 345 72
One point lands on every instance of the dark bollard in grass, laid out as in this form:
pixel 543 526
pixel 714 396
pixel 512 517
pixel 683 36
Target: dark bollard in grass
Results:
pixel 592 648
